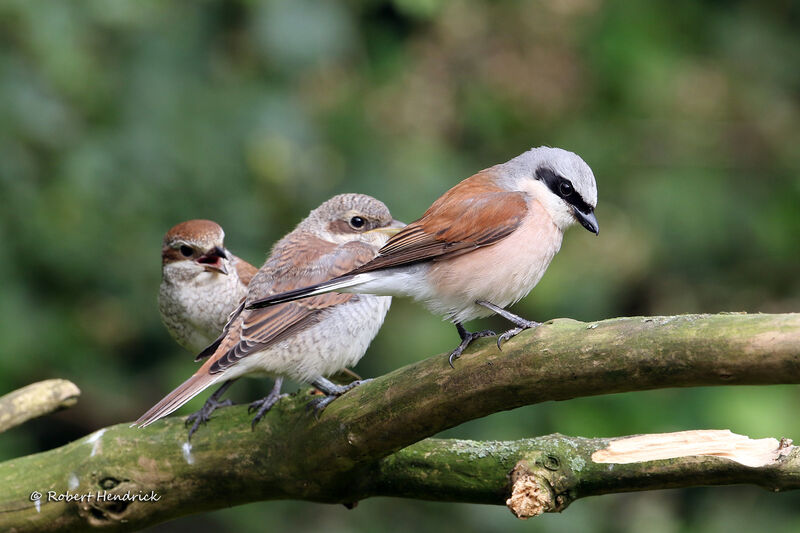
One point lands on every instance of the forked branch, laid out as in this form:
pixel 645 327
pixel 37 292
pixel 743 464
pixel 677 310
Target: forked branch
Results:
pixel 358 446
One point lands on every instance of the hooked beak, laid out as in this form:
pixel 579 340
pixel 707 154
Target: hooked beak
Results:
pixel 588 221
pixel 391 230
pixel 214 260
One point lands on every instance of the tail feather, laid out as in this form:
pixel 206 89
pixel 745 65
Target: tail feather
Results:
pixel 175 399
pixel 336 284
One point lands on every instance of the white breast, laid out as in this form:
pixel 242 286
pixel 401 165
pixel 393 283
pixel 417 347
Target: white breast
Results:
pixel 195 310
pixel 338 340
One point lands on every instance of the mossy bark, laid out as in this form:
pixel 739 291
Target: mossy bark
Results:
pixel 355 449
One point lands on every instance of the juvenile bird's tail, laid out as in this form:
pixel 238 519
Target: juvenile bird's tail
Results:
pixel 175 399
pixel 333 285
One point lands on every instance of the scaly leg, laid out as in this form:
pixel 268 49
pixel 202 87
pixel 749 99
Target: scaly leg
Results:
pixel 521 323
pixel 262 406
pixel 203 415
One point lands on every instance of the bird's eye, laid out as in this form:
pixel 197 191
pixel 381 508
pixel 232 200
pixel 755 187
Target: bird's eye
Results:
pixel 565 188
pixel 187 251
pixel 357 222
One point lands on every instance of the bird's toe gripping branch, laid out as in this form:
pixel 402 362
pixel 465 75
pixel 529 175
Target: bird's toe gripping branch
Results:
pixel 203 415
pixel 521 323
pixel 466 340
pixel 262 406
pixel 331 391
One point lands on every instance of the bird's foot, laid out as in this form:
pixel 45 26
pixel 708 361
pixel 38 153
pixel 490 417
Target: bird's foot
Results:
pixel 320 403
pixel 466 340
pixel 527 324
pixel 262 406
pixel 521 323
pixel 331 391
pixel 203 415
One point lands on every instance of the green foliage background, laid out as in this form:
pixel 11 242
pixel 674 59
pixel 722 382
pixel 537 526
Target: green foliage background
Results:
pixel 119 119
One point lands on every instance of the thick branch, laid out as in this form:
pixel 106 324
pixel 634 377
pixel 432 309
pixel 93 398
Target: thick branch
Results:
pixel 339 457
pixel 530 476
pixel 560 360
pixel 35 400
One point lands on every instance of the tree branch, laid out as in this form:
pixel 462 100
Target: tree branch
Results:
pixel 35 400
pixel 560 469
pixel 346 455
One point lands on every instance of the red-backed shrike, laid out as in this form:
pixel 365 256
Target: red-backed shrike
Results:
pixel 481 246
pixel 306 340
pixel 201 283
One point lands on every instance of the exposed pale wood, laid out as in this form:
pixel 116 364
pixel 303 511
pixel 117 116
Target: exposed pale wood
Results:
pixel 35 400
pixel 718 443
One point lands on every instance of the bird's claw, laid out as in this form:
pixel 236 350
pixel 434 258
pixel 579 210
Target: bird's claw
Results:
pixel 455 354
pixel 515 331
pixel 320 403
pixel 466 340
pixel 262 407
pixel 203 415
pixel 505 336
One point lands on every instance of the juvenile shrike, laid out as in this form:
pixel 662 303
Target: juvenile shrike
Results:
pixel 201 283
pixel 306 340
pixel 481 246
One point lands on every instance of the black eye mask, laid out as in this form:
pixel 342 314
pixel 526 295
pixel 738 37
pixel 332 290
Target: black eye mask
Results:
pixel 563 188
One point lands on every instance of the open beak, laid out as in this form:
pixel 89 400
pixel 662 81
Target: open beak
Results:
pixel 587 220
pixel 391 230
pixel 214 260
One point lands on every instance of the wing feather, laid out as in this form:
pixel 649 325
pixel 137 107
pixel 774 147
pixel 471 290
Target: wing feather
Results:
pixel 251 331
pixel 472 214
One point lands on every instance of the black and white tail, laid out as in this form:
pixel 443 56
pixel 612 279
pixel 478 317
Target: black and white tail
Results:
pixel 333 285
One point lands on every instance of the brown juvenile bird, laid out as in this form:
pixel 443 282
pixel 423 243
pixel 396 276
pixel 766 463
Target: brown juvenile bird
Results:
pixel 481 246
pixel 305 340
pixel 201 283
